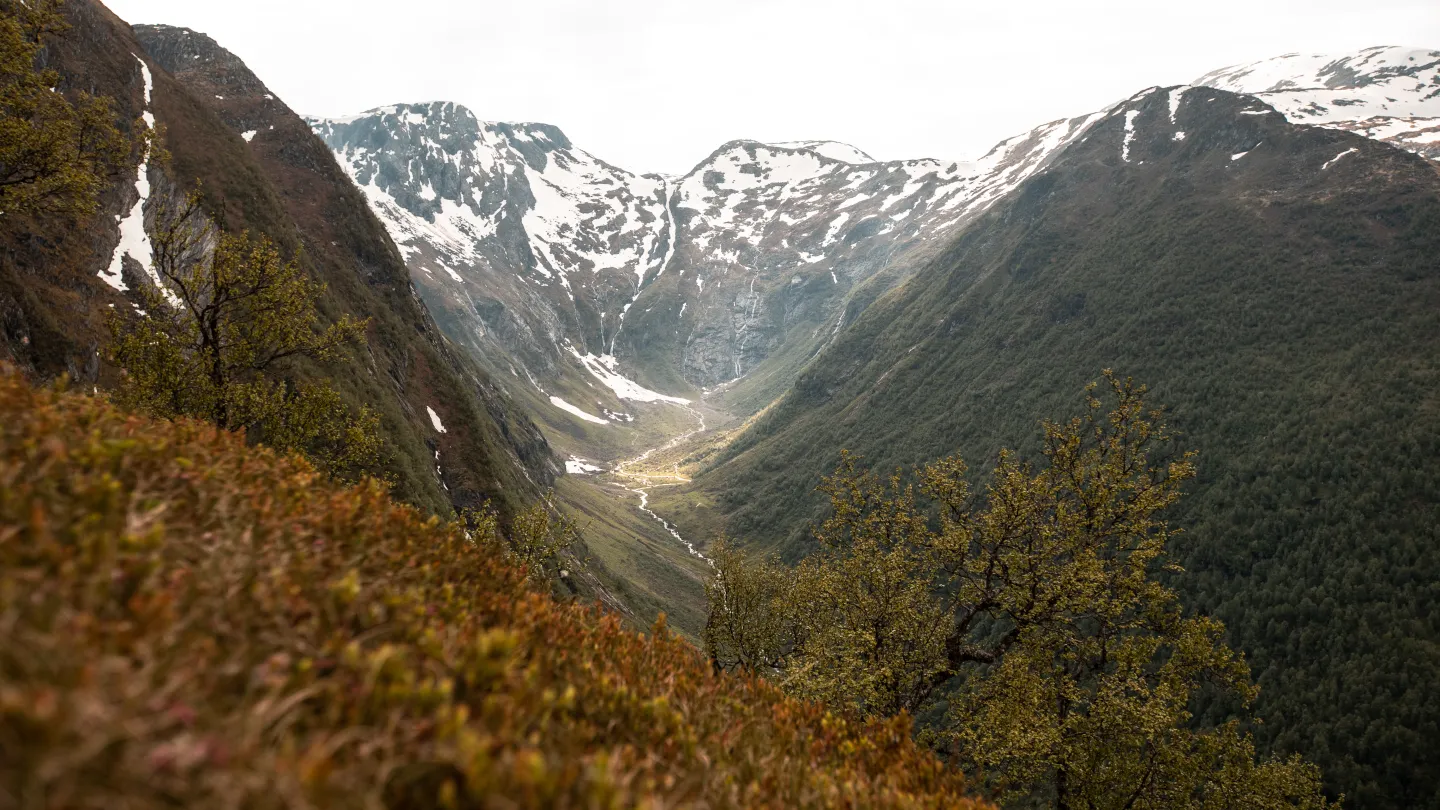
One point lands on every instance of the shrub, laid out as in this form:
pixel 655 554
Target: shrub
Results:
pixel 189 622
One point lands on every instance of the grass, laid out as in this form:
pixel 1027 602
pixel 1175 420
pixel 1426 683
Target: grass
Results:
pixel 638 563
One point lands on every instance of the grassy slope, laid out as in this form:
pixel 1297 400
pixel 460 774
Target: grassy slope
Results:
pixel 638 563
pixel 287 185
pixel 1289 316
pixel 192 623
pixel 53 305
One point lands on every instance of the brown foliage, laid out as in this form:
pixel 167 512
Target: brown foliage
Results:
pixel 188 622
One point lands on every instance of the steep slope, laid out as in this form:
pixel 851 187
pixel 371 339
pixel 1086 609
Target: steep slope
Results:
pixel 277 642
pixel 559 268
pixel 1387 93
pixel 1283 301
pixel 61 279
pixel 549 261
pixel 52 303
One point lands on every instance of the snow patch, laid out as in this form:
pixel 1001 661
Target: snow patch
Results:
pixel 1130 116
pixel 454 275
pixel 249 135
pixel 603 368
pixel 579 466
pixel 435 420
pixel 134 240
pixel 571 409
pixel 1175 98
pixel 1337 157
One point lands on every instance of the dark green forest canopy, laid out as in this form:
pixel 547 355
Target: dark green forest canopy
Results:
pixel 1288 315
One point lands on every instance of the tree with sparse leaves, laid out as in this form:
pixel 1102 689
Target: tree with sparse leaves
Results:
pixel 538 538
pixel 215 333
pixel 56 152
pixel 1029 620
pixel 748 628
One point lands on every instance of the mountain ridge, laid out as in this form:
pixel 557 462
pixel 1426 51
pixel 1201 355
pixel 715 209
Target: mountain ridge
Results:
pixel 746 306
pixel 1275 284
pixel 59 280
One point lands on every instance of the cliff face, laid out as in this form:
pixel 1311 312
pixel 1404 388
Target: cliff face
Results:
pixel 59 278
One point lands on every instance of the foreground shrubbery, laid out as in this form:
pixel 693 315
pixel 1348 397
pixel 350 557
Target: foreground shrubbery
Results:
pixel 185 621
pixel 1027 622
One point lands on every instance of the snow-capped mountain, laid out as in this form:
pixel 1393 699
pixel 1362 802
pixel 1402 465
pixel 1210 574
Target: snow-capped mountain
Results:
pixel 548 260
pixel 528 247
pixel 1390 94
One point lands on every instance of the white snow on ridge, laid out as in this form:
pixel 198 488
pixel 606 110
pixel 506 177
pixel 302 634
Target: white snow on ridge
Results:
pixel 579 203
pixel 1385 93
pixel 835 150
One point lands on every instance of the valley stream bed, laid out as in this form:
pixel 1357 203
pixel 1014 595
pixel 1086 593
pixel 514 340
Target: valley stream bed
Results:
pixel 634 477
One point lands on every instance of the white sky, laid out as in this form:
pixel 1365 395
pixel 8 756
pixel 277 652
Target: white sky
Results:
pixel 657 85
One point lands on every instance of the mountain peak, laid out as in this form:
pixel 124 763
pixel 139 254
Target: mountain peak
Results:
pixel 834 150
pixel 1389 93
pixel 1380 64
pixel 441 122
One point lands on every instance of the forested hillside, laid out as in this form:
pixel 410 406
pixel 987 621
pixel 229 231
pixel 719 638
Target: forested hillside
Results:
pixel 213 319
pixel 1279 289
pixel 60 275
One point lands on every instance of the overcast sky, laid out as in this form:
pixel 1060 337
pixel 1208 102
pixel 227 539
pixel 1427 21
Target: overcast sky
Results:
pixel 656 85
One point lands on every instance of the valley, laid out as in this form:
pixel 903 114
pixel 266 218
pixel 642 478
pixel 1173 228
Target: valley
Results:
pixel 669 360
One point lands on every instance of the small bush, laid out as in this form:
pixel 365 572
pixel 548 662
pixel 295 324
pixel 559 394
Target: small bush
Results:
pixel 188 622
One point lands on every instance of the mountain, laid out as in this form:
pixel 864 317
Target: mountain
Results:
pixel 1387 93
pixel 1277 286
pixel 261 169
pixel 624 310
pixel 562 268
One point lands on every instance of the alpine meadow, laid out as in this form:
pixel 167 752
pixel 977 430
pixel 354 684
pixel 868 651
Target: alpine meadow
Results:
pixel 406 459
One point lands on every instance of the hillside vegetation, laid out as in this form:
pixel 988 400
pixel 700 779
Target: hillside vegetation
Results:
pixel 1024 622
pixel 1288 313
pixel 284 186
pixel 189 622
